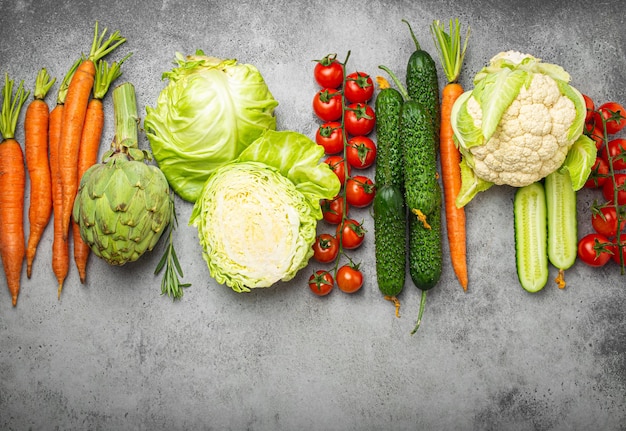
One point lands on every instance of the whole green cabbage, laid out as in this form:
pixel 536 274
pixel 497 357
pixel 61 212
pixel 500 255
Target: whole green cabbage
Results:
pixel 257 216
pixel 209 112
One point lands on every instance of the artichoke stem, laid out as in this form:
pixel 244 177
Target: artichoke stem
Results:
pixel 126 120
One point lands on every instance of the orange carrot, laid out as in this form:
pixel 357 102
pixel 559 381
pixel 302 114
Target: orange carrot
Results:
pixel 451 54
pixel 12 184
pixel 77 99
pixel 90 146
pixel 36 152
pixel 60 245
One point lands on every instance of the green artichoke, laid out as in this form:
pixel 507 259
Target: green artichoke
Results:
pixel 123 205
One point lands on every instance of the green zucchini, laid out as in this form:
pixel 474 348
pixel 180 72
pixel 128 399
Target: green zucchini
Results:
pixel 421 188
pixel 531 236
pixel 562 222
pixel 422 83
pixel 389 209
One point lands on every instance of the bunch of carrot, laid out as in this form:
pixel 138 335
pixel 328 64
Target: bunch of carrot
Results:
pixel 451 53
pixel 60 145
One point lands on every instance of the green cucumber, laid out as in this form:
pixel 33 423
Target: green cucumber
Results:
pixel 531 236
pixel 562 222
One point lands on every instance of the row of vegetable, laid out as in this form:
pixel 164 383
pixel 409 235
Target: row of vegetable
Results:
pixel 258 193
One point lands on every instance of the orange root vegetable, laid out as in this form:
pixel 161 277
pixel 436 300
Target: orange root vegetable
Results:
pixel 60 245
pixel 36 152
pixel 76 102
pixel 12 184
pixel 451 53
pixel 90 147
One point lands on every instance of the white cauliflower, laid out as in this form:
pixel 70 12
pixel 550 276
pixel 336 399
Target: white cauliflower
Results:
pixel 532 138
pixel 517 125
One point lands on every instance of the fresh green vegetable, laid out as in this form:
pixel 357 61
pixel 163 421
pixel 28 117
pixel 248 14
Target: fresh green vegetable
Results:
pixel 123 205
pixel 425 251
pixel 562 222
pixel 389 209
pixel 209 112
pixel 517 124
pixel 531 236
pixel 257 216
pixel 422 190
pixel 422 83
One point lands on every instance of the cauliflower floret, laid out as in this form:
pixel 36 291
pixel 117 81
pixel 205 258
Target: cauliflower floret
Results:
pixel 531 140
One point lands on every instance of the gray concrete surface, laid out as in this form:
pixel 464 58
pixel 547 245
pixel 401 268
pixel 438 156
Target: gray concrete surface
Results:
pixel 113 354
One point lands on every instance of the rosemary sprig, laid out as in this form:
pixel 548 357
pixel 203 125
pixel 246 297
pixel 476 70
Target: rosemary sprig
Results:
pixel 170 283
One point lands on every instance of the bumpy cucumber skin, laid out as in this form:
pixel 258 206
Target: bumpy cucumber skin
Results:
pixel 422 85
pixel 389 210
pixel 531 236
pixel 422 190
pixel 425 251
pixel 390 239
pixel 562 220
pixel 389 168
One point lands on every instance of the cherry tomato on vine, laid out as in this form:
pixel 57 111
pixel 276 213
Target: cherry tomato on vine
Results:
pixel 361 152
pixel 325 248
pixel 328 72
pixel 595 132
pixel 608 190
pixel 333 209
pixel 599 174
pixel 604 220
pixel 594 249
pixel 616 149
pixel 360 191
pixel 614 115
pixel 338 166
pixel 359 87
pixel 321 282
pixel 359 119
pixel 327 104
pixel 590 108
pixel 330 136
pixel 352 234
pixel 349 278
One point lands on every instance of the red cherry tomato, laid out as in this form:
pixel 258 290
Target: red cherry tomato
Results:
pixel 608 190
pixel 596 133
pixel 359 87
pixel 351 233
pixel 598 175
pixel 614 115
pixel 616 150
pixel 325 248
pixel 594 249
pixel 349 278
pixel 328 72
pixel 333 209
pixel 330 136
pixel 327 104
pixel 338 166
pixel 361 152
pixel 604 220
pixel 360 191
pixel 321 282
pixel 359 119
pixel 590 108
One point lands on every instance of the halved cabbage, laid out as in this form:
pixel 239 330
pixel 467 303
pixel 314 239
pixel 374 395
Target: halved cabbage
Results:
pixel 257 216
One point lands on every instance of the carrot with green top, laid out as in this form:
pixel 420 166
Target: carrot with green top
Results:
pixel 451 53
pixel 90 146
pixel 36 151
pixel 76 102
pixel 60 245
pixel 12 185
